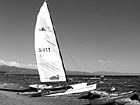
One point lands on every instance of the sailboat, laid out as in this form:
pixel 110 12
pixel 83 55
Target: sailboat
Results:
pixel 49 59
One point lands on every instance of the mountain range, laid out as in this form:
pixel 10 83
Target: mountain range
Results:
pixel 17 70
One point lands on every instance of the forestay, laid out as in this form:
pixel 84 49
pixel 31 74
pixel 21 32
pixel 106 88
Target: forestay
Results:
pixel 48 57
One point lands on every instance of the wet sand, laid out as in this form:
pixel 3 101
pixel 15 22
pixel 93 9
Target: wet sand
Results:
pixel 12 98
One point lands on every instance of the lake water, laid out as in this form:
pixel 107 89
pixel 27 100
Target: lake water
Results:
pixel 121 83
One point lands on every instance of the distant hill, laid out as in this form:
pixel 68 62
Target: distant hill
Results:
pixel 18 70
pixel 113 73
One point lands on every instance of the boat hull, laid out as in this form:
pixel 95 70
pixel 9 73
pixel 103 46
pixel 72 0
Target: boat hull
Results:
pixel 123 101
pixel 106 99
pixel 77 88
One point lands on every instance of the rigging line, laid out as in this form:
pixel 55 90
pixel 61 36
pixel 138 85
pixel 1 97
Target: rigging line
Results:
pixel 77 67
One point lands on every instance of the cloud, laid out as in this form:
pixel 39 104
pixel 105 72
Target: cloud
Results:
pixel 13 63
pixel 103 62
pixel 31 66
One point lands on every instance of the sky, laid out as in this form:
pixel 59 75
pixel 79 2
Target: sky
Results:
pixel 94 35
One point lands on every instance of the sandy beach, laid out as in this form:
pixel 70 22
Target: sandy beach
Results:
pixel 12 98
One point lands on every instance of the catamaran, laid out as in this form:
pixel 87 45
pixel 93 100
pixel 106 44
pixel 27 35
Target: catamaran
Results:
pixel 49 59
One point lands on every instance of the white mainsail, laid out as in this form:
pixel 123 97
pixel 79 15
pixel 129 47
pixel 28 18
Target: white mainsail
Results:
pixel 49 62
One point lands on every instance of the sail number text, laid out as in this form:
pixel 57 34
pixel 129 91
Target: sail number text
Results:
pixel 44 49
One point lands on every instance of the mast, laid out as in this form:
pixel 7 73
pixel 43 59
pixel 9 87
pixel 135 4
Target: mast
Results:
pixel 58 45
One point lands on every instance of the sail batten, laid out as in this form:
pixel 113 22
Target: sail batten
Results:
pixel 48 56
